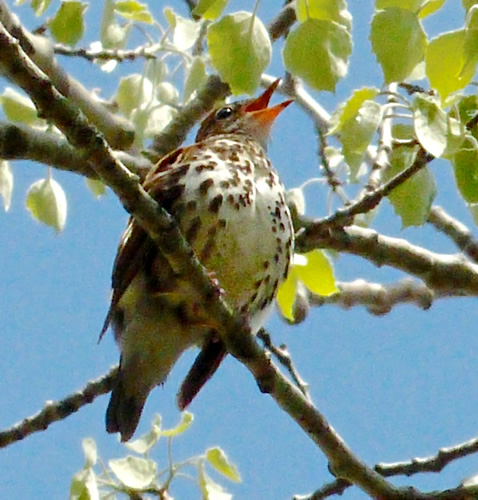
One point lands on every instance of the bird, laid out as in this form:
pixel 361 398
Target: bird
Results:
pixel 230 205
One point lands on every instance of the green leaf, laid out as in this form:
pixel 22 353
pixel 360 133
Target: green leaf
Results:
pixel 84 486
pixel 412 5
pixel 445 63
pixel 40 6
pixel 167 93
pixel 133 10
pixel 148 440
pixel 398 41
pixel 412 199
pixel 240 50
pixel 286 295
pixel 46 201
pixel 19 108
pixel 133 91
pixel 327 10
pixel 465 164
pixel 185 31
pixel 327 44
pixel 96 186
pixel 134 472
pixel 431 125
pixel 430 7
pixel 68 25
pixel 186 420
pixel 357 121
pixel 195 77
pixel 316 272
pixel 218 459
pixel 470 44
pixel 210 9
pixel 6 183
pixel 90 451
pixel 210 490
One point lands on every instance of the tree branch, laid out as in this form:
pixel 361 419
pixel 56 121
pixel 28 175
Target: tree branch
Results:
pixel 21 142
pixel 455 230
pixel 118 131
pixel 448 275
pixel 53 412
pixel 162 229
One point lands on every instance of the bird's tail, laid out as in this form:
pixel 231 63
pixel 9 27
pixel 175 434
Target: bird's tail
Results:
pixel 204 367
pixel 125 406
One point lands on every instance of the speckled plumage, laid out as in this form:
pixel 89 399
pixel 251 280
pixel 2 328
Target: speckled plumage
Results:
pixel 230 206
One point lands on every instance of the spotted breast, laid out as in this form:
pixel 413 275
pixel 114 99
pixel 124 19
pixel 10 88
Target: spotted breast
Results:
pixel 230 205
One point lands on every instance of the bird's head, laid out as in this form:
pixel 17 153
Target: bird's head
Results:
pixel 251 117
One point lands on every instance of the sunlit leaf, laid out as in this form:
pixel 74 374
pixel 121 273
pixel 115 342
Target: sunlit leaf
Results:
pixel 286 295
pixel 327 10
pixel 133 10
pixel 210 9
pixel 84 486
pixel 185 31
pixel 218 459
pixel 68 24
pixel 133 91
pixel 134 472
pixel 465 165
pixel 240 50
pixel 431 125
pixel 195 77
pixel 412 199
pixel 96 186
pixel 445 63
pixel 316 272
pixel 46 201
pixel 398 41
pixel 147 441
pixel 19 108
pixel 186 420
pixel 90 451
pixel 210 489
pixel 327 44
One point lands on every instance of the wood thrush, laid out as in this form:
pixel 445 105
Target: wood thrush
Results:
pixel 230 206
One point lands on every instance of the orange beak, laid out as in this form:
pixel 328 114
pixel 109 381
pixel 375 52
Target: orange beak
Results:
pixel 263 115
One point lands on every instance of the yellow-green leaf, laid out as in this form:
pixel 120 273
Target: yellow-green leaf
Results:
pixel 317 51
pixel 68 25
pixel 316 272
pixel 147 441
pixel 431 125
pixel 328 10
pixel 195 78
pixel 240 50
pixel 19 108
pixel 134 472
pixel 210 9
pixel 412 199
pixel 286 295
pixel 350 108
pixel 398 41
pixel 218 459
pixel 445 63
pixel 133 10
pixel 465 165
pixel 46 201
pixel 96 186
pixel 412 5
pixel 186 420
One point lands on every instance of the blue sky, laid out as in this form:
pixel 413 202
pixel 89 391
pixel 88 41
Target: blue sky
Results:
pixel 395 387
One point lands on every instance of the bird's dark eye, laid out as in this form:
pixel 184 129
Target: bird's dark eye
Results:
pixel 224 113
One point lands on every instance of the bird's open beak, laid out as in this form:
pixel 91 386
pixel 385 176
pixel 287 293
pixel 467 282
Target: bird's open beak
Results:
pixel 258 107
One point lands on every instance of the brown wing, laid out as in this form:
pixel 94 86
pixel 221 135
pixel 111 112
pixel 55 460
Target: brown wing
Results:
pixel 136 247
